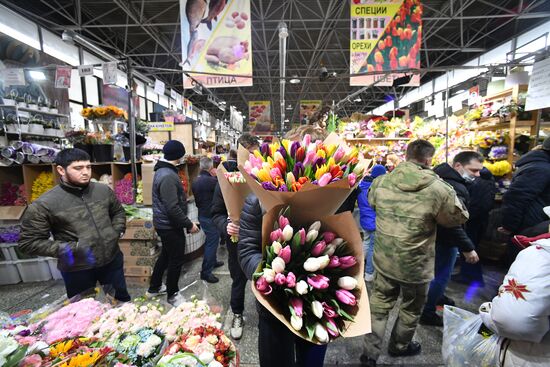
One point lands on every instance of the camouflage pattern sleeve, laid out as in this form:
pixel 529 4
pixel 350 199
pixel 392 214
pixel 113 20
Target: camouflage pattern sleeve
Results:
pixel 451 212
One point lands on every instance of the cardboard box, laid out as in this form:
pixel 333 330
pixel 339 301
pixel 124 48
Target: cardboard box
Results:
pixel 12 212
pixel 138 247
pixel 138 271
pixel 147 175
pixel 140 223
pixel 139 233
pixel 138 281
pixel 140 260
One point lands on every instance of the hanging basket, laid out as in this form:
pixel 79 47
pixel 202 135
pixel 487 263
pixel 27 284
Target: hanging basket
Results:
pixel 103 152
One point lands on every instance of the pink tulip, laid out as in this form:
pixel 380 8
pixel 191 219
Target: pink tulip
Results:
pixel 283 222
pixel 303 236
pixel 276 235
pixel 332 328
pixel 352 178
pixel 329 311
pixel 339 154
pixel 263 286
pixel 285 254
pixel 307 140
pixel 291 280
pixel 280 279
pixel 318 281
pixel 248 167
pixel 329 237
pixel 325 179
pixel 346 297
pixel 319 248
pixel 310 158
pixel 298 306
pixel 334 262
pixel 347 262
pixel 275 173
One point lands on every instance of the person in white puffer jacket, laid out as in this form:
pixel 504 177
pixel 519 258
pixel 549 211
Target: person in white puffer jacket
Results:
pixel 520 313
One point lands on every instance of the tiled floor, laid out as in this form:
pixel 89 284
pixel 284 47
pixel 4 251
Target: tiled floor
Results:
pixel 342 352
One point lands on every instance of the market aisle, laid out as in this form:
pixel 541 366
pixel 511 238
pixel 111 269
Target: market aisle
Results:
pixel 342 352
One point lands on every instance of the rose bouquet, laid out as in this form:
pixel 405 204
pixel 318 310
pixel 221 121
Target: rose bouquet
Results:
pixel 306 173
pixel 187 316
pixel 209 344
pixel 234 190
pixel 311 279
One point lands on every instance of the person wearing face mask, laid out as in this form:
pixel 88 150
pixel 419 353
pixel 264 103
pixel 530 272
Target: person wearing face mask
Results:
pixel 170 221
pixel 466 167
pixel 78 222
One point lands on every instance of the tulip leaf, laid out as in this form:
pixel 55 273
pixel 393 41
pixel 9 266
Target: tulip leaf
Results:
pixel 289 291
pixel 344 314
pixel 296 244
pixel 14 359
pixel 310 330
pixel 270 255
pixel 336 305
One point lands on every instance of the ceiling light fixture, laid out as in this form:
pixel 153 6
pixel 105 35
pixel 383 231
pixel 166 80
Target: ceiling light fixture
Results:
pixel 294 80
pixel 357 99
pixel 289 108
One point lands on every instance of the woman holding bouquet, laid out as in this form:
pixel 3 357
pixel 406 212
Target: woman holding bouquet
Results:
pixel 277 345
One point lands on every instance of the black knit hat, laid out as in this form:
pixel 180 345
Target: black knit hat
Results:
pixel 546 144
pixel 173 150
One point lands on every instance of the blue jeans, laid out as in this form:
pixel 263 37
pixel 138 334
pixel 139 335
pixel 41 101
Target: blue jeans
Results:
pixel 210 245
pixel 445 258
pixel 368 249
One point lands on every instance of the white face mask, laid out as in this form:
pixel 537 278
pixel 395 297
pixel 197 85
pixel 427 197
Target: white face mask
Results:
pixel 469 178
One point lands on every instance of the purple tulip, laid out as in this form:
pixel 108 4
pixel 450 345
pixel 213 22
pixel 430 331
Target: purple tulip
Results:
pixel 346 297
pixel 263 286
pixel 319 162
pixel 303 236
pixel 24 333
pixel 329 236
pixel 334 262
pixel 283 222
pixel 298 306
pixel 293 148
pixel 319 248
pixel 329 311
pixel 291 280
pixel 269 186
pixel 298 170
pixel 347 262
pixel 265 150
pixel 276 235
pixel 283 188
pixel 285 254
pixel 280 279
pixel 282 150
pixel 318 281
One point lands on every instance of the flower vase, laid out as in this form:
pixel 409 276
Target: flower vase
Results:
pixel 103 152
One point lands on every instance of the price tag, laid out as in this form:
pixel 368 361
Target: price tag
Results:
pixel 84 70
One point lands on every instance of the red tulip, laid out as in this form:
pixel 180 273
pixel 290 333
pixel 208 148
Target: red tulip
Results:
pixel 346 297
pixel 318 281
pixel 329 237
pixel 329 311
pixel 302 233
pixel 347 261
pixel 263 286
pixel 300 154
pixel 334 262
pixel 319 248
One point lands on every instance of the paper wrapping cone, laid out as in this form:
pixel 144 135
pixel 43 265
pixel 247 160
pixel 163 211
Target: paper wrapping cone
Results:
pixel 345 227
pixel 234 194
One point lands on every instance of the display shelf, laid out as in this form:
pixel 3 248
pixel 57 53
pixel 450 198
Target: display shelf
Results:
pixel 496 124
pixel 375 140
pixel 31 172
pixel 119 169
pixel 34 134
pixel 505 93
pixel 26 109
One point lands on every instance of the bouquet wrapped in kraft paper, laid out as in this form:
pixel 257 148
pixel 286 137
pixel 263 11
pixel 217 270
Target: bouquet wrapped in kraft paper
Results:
pixel 311 275
pixel 234 191
pixel 303 174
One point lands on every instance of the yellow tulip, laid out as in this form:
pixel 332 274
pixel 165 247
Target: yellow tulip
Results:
pixel 263 175
pixel 286 145
pixel 331 148
pixel 270 161
pixel 258 154
pixel 321 171
pixel 331 162
pixel 321 153
pixel 273 148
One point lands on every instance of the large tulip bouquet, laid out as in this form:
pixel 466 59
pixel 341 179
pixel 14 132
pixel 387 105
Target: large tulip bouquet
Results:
pixel 311 278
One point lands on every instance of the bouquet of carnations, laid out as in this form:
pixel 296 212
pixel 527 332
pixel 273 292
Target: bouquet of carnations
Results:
pixel 307 174
pixel 187 316
pixel 234 190
pixel 210 346
pixel 312 279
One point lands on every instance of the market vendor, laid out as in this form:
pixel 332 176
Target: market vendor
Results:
pixel 79 223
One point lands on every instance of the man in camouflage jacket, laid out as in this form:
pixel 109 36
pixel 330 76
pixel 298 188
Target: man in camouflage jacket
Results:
pixel 78 222
pixel 409 202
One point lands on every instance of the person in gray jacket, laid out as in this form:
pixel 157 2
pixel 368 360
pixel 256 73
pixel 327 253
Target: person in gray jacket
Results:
pixel 79 222
pixel 170 221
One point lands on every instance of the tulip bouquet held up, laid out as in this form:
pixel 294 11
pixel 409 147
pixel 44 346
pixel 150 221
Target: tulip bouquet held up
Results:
pixel 311 278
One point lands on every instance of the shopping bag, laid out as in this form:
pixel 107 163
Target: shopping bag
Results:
pixel 464 344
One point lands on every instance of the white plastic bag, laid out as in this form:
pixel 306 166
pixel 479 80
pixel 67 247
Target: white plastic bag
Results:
pixel 463 345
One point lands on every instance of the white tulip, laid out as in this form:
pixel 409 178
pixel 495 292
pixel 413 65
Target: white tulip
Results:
pixel 296 322
pixel 316 226
pixel 347 283
pixel 288 232
pixel 329 251
pixel 312 235
pixel 278 265
pixel 269 275
pixel 317 309
pixel 215 364
pixel 276 247
pixel 321 333
pixel 323 261
pixel 302 287
pixel 337 242
pixel 206 357
pixel 312 264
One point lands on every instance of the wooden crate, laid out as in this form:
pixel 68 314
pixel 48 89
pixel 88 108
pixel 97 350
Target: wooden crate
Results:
pixel 134 281
pixel 138 271
pixel 140 260
pixel 138 247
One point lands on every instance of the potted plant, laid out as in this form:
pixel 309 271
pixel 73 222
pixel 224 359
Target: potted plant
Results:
pixel 10 124
pixel 33 105
pixel 54 107
pixel 43 104
pixel 49 128
pixel 23 125
pixel 36 125
pixel 21 101
pixel 102 147
pixel 9 99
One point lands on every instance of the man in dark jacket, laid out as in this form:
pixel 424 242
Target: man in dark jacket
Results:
pixel 466 167
pixel 203 191
pixel 529 193
pixel 170 221
pixel 85 220
pixel 228 229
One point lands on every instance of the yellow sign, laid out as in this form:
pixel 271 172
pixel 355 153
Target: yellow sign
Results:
pixel 161 126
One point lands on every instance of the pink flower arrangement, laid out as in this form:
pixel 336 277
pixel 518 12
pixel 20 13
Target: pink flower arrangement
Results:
pixel 124 191
pixel 187 316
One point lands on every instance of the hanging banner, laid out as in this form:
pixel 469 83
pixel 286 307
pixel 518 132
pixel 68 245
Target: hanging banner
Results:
pixel 63 77
pixel 188 108
pixel 259 116
pixel 385 36
pixel 473 96
pixel 84 70
pixel 538 94
pixel 308 109
pixel 173 94
pixel 216 38
pixel 159 87
pixel 14 76
pixel 109 73
pixel 161 126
